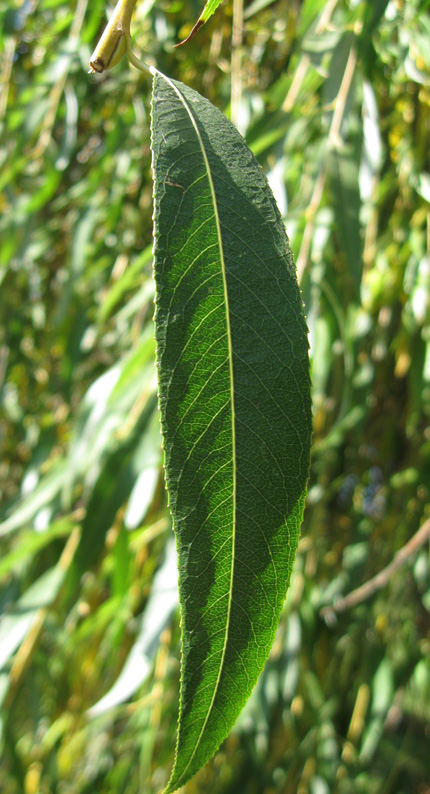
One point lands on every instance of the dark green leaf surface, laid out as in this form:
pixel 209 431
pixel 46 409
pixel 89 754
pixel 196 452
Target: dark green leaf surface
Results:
pixel 232 358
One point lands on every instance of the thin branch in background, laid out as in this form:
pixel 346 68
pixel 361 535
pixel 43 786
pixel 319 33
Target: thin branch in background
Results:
pixel 340 103
pixel 213 56
pixel 4 355
pixel 371 231
pixel 8 57
pixel 58 88
pixel 334 141
pixel 304 62
pixel 428 233
pixel 310 217
pixel 154 721
pixel 28 647
pixel 381 579
pixel 236 61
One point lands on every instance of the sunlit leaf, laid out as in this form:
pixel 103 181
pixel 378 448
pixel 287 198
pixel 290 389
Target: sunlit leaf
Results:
pixel 32 543
pixel 15 625
pixel 114 485
pixel 45 492
pixel 161 604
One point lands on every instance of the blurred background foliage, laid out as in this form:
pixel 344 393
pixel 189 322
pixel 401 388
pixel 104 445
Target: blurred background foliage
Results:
pixel 333 96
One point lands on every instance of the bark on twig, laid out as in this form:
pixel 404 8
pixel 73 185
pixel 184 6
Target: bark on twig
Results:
pixel 383 577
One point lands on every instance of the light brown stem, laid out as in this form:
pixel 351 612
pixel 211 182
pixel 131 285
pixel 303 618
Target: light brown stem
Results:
pixel 304 62
pixel 340 103
pixel 334 141
pixel 58 88
pixel 9 52
pixel 383 577
pixel 236 60
pixel 310 221
pixel 28 647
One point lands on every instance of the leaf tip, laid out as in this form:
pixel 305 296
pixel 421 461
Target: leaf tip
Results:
pixel 199 24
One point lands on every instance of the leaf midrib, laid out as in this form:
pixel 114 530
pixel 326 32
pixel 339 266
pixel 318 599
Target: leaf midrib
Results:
pixel 233 427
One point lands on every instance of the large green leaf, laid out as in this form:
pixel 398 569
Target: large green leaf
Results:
pixel 234 395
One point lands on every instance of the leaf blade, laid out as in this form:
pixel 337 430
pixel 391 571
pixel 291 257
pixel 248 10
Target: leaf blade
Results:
pixel 220 246
pixel 209 9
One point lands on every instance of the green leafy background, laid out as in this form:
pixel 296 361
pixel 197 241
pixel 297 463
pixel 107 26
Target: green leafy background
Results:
pixel 334 99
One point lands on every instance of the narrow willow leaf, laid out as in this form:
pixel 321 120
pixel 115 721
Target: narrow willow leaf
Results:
pixel 344 167
pixel 161 603
pixel 209 9
pixel 45 492
pixel 18 620
pixel 113 486
pixel 234 395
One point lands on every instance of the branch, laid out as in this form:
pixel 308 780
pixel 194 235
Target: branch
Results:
pixel 382 578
